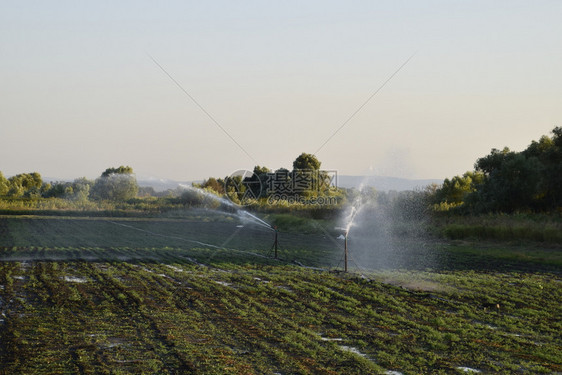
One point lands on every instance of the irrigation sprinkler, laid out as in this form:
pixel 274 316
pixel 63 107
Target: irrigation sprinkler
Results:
pixel 345 232
pixel 345 251
pixel 275 241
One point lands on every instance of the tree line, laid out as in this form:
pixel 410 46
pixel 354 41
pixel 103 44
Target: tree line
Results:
pixel 508 181
pixel 115 184
pixel 306 180
pixel 502 181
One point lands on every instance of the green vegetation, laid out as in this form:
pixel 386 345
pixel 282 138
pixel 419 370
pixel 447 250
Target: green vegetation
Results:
pixel 105 277
pixel 301 188
pixel 502 182
pixel 116 184
pixel 28 191
pixel 508 181
pixel 515 228
pixel 306 189
pixel 27 185
pixel 132 295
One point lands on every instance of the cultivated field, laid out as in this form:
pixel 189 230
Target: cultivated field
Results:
pixel 202 294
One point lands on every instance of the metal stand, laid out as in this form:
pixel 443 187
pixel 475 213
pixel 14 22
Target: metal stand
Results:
pixel 275 242
pixel 345 253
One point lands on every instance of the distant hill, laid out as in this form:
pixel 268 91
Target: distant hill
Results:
pixel 162 184
pixel 381 183
pixel 384 183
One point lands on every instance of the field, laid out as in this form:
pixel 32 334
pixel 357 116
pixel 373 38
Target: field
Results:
pixel 202 293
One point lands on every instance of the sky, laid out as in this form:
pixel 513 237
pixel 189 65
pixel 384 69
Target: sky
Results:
pixel 80 92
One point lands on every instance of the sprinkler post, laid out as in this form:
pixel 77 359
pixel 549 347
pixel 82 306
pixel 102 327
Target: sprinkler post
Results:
pixel 345 251
pixel 275 242
pixel 345 232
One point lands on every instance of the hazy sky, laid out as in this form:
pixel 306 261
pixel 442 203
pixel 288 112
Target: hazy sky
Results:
pixel 79 92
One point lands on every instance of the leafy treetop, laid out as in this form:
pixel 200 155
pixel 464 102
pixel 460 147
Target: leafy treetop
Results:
pixel 306 162
pixel 121 170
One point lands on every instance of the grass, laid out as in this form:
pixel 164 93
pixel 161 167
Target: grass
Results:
pixel 292 223
pixel 133 295
pixel 506 228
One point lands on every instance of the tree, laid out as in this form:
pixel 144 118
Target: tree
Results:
pixel 57 190
pixel 553 171
pixel 454 191
pixel 540 148
pixel 493 162
pixel 257 182
pixel 234 189
pixel 81 189
pixel 116 184
pixel 3 185
pixel 306 178
pixel 283 179
pixel 78 190
pixel 200 198
pixel 214 184
pixel 549 152
pixel 306 162
pixel 121 170
pixel 25 185
pixel 146 191
pixel 511 181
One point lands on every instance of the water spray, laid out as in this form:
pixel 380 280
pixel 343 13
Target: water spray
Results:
pixel 355 208
pixel 240 213
pixel 257 220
